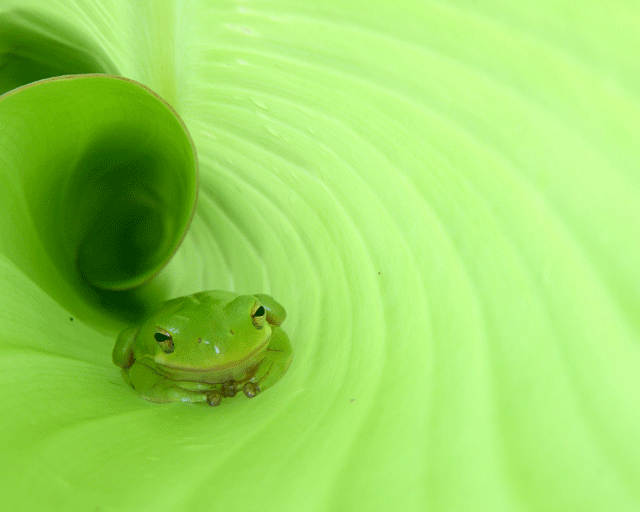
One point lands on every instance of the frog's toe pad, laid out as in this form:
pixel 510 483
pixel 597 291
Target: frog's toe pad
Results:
pixel 251 389
pixel 229 389
pixel 214 398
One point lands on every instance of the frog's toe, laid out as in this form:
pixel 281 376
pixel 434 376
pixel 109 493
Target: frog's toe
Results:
pixel 251 389
pixel 229 389
pixel 213 398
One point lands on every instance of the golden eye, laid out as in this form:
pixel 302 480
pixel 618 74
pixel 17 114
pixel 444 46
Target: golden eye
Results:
pixel 258 317
pixel 165 340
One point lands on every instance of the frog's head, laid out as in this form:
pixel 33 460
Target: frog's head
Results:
pixel 205 338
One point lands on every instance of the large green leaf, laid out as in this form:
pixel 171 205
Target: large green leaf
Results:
pixel 444 195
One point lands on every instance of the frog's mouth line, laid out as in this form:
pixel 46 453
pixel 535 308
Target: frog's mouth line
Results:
pixel 211 369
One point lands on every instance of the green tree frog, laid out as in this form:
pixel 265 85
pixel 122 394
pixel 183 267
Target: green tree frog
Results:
pixel 205 346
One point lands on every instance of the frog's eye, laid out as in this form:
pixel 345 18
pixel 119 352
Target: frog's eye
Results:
pixel 165 340
pixel 258 316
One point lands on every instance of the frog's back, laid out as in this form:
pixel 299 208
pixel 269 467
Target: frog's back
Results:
pixel 185 307
pixel 212 297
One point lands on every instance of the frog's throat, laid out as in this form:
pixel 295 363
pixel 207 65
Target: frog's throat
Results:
pixel 218 368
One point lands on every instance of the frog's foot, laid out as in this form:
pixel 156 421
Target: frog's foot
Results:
pixel 230 389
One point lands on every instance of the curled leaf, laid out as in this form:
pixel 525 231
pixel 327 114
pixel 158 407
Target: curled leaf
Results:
pixel 108 177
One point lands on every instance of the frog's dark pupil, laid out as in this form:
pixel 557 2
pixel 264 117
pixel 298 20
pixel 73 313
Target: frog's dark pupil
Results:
pixel 160 337
pixel 259 311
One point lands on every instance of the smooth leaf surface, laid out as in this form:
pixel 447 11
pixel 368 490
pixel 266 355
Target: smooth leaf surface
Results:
pixel 445 197
pixel 34 47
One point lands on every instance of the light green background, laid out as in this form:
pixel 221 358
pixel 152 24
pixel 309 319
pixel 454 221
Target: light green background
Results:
pixel 446 198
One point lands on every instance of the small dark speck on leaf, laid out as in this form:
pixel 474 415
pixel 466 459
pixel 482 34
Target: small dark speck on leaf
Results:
pixel 378 273
pixel 71 318
pixel 352 400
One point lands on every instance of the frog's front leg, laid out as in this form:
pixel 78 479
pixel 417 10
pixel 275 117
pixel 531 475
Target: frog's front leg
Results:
pixel 157 388
pixel 273 366
pixel 122 354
